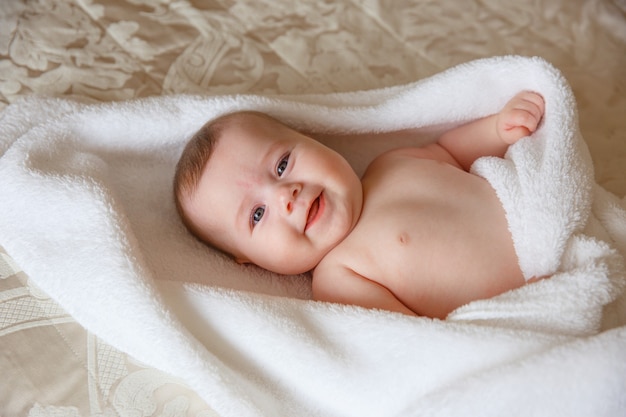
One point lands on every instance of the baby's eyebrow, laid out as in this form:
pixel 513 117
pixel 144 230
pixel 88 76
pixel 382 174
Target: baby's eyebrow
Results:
pixel 271 152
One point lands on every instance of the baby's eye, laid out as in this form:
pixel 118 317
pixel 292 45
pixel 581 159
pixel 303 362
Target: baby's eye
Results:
pixel 282 165
pixel 257 215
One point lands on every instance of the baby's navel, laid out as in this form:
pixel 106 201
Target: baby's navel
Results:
pixel 403 238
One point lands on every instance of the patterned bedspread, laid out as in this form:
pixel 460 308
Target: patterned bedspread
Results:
pixel 117 50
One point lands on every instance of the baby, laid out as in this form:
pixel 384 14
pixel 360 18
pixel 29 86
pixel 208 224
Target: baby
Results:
pixel 417 234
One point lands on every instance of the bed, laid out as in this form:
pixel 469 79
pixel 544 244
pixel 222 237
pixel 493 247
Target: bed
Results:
pixel 114 51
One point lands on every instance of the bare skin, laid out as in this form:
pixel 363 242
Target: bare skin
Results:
pixel 431 236
pixel 421 245
pixel 418 234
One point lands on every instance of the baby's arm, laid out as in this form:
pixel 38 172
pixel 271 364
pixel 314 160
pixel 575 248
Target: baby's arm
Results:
pixel 492 135
pixel 345 286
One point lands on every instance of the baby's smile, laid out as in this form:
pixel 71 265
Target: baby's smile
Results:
pixel 315 211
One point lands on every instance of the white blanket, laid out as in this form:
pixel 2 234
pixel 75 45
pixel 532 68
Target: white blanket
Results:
pixel 87 212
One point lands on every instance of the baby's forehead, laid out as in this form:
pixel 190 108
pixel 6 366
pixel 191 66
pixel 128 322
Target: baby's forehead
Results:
pixel 249 128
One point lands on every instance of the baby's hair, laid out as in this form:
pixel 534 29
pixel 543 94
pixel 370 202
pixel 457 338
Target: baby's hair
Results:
pixel 191 163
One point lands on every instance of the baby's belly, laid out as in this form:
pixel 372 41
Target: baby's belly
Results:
pixel 440 242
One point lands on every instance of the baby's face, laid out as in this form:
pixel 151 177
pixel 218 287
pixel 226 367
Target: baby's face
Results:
pixel 274 197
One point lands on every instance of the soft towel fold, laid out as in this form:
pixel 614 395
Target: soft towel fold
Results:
pixel 87 212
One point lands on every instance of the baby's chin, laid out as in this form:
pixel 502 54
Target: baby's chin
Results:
pixel 298 269
pixel 294 266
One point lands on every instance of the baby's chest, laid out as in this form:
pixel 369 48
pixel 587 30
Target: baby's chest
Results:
pixel 423 197
pixel 393 230
pixel 419 222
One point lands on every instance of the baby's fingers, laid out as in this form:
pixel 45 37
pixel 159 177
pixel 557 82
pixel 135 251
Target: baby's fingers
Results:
pixel 527 118
pixel 531 103
pixel 520 117
pixel 511 134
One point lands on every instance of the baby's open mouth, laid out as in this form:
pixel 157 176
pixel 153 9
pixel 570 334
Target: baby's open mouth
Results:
pixel 314 211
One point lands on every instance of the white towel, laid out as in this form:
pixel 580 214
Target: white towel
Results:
pixel 87 211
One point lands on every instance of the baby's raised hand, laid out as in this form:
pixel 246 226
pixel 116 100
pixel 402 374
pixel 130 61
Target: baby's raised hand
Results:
pixel 520 116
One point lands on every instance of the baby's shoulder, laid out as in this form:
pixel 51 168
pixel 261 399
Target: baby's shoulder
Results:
pixel 336 279
pixel 330 272
pixel 345 257
pixel 389 159
pixel 399 153
pixel 431 152
pixel 336 261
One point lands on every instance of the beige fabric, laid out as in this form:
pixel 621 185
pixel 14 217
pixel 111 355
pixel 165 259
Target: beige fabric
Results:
pixel 51 366
pixel 116 50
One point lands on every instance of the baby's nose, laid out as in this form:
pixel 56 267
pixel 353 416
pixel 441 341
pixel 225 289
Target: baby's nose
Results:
pixel 288 195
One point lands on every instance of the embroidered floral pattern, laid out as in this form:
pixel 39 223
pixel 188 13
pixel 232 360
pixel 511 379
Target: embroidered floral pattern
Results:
pixel 73 366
